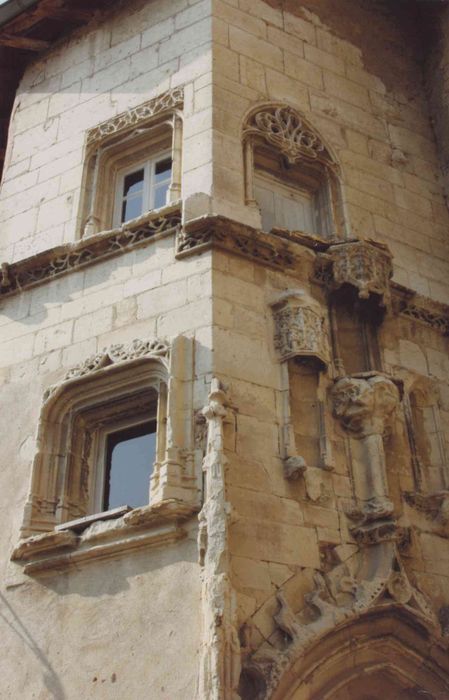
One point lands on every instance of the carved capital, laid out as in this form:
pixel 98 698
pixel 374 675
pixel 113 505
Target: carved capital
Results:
pixel 361 264
pixel 300 327
pixel 365 405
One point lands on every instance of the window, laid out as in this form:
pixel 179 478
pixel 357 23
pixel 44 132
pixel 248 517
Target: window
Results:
pixel 142 188
pixel 115 432
pixel 290 175
pixel 130 455
pixel 133 164
pixel 354 332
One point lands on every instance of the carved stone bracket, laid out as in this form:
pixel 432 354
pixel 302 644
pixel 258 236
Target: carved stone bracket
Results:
pixel 136 116
pixel 300 329
pixel 364 265
pixel 52 263
pixel 218 232
pixel 283 127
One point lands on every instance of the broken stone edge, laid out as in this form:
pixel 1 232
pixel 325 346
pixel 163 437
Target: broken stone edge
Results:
pixel 148 526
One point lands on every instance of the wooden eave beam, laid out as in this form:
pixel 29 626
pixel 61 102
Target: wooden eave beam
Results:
pixel 50 9
pixel 23 42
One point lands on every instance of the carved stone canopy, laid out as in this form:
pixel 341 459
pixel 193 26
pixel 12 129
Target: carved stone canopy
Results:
pixel 283 127
pixel 300 327
pixel 365 265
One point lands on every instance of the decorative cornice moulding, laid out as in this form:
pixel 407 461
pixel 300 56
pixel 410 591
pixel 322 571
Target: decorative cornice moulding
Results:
pixel 218 232
pixel 54 262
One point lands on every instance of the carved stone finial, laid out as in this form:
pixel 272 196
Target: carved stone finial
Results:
pixel 365 405
pixel 300 327
pixel 364 265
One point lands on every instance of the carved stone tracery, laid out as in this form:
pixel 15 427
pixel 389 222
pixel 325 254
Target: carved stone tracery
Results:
pixel 52 263
pixel 283 127
pixel 136 116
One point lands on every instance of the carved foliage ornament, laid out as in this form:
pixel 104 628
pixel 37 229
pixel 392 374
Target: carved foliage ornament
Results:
pixel 137 115
pixel 284 128
pixel 363 265
pixel 122 352
pixel 300 327
pixel 57 261
pixel 218 232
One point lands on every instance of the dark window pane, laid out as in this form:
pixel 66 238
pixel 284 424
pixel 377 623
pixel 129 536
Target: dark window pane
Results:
pixel 131 208
pixel 133 183
pixel 160 196
pixel 130 457
pixel 163 170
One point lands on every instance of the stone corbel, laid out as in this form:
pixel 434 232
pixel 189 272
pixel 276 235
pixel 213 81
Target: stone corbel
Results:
pixel 364 407
pixel 363 265
pixel 300 331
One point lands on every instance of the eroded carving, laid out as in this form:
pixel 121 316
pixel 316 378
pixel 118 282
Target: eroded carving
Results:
pixel 364 265
pixel 122 352
pixel 218 232
pixel 73 256
pixel 284 128
pixel 434 507
pixel 368 579
pixel 221 662
pixel 365 407
pixel 300 329
pixel 136 116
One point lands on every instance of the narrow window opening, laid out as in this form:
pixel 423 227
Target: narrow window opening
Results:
pixel 355 324
pixel 130 455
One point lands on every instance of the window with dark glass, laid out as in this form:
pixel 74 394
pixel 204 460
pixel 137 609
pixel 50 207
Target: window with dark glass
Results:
pixel 143 188
pixel 130 455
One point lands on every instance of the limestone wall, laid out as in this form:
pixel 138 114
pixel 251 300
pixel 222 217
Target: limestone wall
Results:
pixel 137 53
pixel 364 91
pixel 131 625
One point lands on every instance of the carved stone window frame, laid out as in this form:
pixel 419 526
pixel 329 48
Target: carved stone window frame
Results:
pixel 62 472
pixel 154 125
pixel 284 131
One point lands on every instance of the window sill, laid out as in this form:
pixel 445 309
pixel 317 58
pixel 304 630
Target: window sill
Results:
pixel 51 263
pixel 149 526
